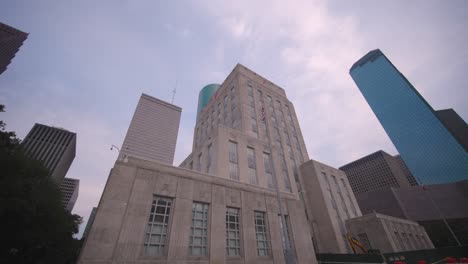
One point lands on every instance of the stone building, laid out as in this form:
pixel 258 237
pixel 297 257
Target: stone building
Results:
pixel 230 201
pixel 330 202
pixel 151 212
pixel 388 234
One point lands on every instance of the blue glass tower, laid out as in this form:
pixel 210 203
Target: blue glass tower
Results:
pixel 430 151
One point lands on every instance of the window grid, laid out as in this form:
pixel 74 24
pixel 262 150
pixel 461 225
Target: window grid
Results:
pixel 232 232
pixel 198 245
pixel 261 234
pixel 156 230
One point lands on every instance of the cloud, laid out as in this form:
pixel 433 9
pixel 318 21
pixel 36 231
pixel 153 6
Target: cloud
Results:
pixel 313 50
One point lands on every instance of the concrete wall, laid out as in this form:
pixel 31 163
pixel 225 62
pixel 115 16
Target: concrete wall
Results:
pixel 118 231
pixel 325 219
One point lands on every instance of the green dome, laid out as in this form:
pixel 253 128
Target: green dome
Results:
pixel 205 95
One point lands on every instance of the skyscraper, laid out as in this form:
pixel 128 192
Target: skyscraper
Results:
pixel 69 188
pixel 54 147
pixel 11 40
pixel 152 133
pixel 376 171
pixel 428 148
pixel 455 124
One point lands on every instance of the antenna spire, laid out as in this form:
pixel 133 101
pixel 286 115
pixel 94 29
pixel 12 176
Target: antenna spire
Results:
pixel 174 92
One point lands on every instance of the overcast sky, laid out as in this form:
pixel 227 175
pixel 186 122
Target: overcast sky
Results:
pixel 85 64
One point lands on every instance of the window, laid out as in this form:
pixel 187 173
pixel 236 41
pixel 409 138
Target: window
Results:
pixel 364 240
pixel 209 168
pixel 232 232
pixel 349 197
pixel 156 230
pixel 199 161
pixel 283 239
pixel 233 163
pixel 261 234
pixel 268 170
pixel 343 203
pixel 252 166
pixel 198 245
pixel 191 165
pixel 287 182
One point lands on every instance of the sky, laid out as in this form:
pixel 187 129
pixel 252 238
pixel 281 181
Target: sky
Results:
pixel 86 63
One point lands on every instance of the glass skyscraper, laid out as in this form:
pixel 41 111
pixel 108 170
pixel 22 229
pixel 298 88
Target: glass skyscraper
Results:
pixel 431 152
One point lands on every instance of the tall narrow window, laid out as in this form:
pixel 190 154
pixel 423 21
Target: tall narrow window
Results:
pixel 268 170
pixel 343 203
pixel 226 111
pixel 199 231
pixel 261 234
pixel 252 166
pixel 209 167
pixel 287 182
pixel 353 208
pixel 199 161
pixel 156 230
pixel 232 232
pixel 233 163
pixel 283 239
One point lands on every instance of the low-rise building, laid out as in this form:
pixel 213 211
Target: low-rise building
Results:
pixel 388 234
pixel 155 212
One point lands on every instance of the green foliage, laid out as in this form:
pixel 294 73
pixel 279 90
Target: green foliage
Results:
pixel 34 226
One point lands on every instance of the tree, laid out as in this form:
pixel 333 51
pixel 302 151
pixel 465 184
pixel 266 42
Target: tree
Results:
pixel 34 226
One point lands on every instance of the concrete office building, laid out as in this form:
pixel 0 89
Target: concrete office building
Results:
pixel 377 171
pixel 152 212
pixel 220 206
pixel 388 234
pixel 249 132
pixel 426 205
pixel 428 148
pixel 54 147
pixel 153 131
pixel 11 39
pixel 330 201
pixel 90 222
pixel 69 189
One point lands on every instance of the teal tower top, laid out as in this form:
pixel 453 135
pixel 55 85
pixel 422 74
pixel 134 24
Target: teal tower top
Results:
pixel 205 95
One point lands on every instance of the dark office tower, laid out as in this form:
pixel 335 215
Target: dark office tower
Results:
pixel 69 188
pixel 412 180
pixel 376 171
pixel 11 40
pixel 455 124
pixel 428 148
pixel 55 147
